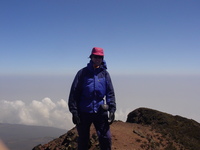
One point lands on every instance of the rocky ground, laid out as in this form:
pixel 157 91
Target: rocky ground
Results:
pixel 145 129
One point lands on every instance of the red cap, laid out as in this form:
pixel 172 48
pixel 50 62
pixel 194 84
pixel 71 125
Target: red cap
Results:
pixel 97 51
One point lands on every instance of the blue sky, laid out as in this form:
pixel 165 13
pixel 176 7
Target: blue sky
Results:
pixel 152 50
pixel 56 37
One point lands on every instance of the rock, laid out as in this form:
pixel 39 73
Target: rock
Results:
pixel 144 129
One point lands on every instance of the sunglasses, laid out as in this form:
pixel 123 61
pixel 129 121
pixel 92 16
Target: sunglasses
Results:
pixel 97 56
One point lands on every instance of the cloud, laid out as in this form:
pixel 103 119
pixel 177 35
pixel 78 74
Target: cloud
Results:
pixel 42 113
pixel 121 114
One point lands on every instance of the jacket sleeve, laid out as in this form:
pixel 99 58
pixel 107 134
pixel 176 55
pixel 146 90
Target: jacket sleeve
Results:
pixel 75 93
pixel 110 94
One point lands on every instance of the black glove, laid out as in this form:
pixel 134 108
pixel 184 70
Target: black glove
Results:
pixel 111 118
pixel 75 119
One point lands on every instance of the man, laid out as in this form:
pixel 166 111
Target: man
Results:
pixel 92 100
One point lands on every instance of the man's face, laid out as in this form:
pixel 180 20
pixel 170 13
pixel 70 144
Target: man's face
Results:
pixel 97 60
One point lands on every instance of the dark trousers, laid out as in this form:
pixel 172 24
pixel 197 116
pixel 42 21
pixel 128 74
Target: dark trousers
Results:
pixel 100 121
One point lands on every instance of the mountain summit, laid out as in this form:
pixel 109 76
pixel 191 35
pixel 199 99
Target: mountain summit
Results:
pixel 144 129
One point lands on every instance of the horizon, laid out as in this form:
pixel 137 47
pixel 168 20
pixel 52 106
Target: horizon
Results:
pixel 29 103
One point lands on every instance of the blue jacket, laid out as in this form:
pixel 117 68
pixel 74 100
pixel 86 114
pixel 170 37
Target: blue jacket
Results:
pixel 89 88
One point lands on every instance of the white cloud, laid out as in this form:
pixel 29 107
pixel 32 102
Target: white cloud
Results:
pixel 121 114
pixel 42 113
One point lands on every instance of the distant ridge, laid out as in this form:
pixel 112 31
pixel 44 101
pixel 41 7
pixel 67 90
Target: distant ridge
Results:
pixel 145 129
pixel 25 137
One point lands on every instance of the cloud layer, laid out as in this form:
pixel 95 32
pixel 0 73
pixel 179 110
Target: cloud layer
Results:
pixel 41 113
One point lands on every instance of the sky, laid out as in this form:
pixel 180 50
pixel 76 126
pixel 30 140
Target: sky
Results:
pixel 151 48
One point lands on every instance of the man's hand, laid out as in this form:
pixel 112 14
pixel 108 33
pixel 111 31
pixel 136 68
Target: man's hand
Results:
pixel 75 119
pixel 111 118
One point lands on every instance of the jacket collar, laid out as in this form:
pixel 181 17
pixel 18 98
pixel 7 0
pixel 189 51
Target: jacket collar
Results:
pixel 102 67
